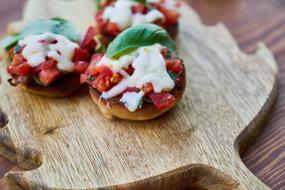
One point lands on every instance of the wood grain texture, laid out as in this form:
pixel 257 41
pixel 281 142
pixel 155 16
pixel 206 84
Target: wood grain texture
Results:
pixel 252 21
pixel 228 91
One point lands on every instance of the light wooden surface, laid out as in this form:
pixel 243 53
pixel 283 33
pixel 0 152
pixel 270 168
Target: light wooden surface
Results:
pixel 227 91
pixel 251 21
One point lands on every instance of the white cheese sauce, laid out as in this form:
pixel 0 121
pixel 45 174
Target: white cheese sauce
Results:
pixel 38 47
pixel 132 100
pixel 153 1
pixel 171 4
pixel 121 14
pixel 149 17
pixel 149 67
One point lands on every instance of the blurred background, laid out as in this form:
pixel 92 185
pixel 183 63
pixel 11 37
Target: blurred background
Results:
pixel 250 21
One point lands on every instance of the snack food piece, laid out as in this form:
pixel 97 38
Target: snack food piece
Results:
pixel 114 16
pixel 138 78
pixel 47 58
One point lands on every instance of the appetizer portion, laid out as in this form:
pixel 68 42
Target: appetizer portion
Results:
pixel 139 78
pixel 47 58
pixel 114 16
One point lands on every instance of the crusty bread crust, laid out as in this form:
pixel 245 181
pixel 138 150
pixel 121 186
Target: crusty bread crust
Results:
pixel 114 108
pixel 65 86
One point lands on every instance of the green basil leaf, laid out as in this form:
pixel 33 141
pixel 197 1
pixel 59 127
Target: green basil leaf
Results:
pixel 9 42
pixel 57 26
pixel 138 36
pixel 59 19
pixel 140 1
pixel 98 4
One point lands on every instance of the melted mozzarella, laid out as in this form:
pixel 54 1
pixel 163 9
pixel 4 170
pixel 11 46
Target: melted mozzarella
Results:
pixel 150 17
pixel 171 4
pixel 121 14
pixel 153 1
pixel 117 65
pixel 149 67
pixel 132 100
pixel 57 47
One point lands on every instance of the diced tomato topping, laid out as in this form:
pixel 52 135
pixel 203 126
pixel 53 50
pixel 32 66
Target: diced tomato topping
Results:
pixel 103 77
pixel 105 3
pixel 88 40
pixel 164 52
pixel 50 63
pixel 147 88
pixel 81 55
pixel 139 8
pixel 130 70
pixel 104 70
pixel 113 28
pixel 162 100
pixel 116 78
pixel 174 65
pixel 102 83
pixel 132 89
pixel 171 16
pixel 80 67
pixel 17 59
pixel 19 69
pixel 83 78
pixel 100 19
pixel 96 58
pixel 47 76
pixel 101 74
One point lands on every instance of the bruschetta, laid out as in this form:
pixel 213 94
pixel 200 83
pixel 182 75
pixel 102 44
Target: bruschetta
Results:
pixel 140 77
pixel 47 57
pixel 114 16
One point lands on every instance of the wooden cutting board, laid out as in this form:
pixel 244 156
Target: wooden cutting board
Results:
pixel 67 144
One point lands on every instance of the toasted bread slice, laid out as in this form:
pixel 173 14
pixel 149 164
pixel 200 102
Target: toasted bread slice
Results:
pixel 63 87
pixel 114 108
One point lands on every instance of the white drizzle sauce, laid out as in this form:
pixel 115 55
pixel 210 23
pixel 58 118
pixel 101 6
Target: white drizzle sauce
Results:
pixel 153 1
pixel 121 14
pixel 132 100
pixel 149 67
pixel 170 4
pixel 38 47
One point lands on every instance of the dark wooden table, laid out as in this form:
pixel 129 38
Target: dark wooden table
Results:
pixel 250 21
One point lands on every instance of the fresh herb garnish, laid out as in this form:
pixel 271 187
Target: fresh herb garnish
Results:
pixel 140 1
pixel 98 4
pixel 138 36
pixel 55 26
pixel 10 41
pixel 91 78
